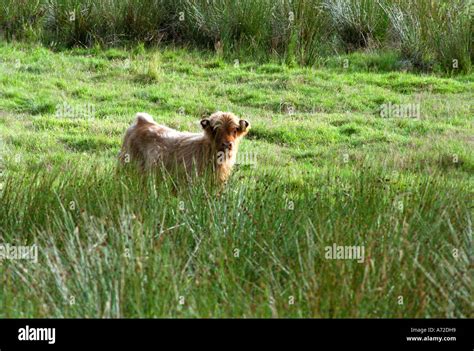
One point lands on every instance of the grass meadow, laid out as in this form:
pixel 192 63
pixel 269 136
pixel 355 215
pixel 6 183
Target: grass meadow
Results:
pixel 354 153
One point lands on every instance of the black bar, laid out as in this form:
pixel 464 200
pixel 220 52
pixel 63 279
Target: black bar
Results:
pixel 293 334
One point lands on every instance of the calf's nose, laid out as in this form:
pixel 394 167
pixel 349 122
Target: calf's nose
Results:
pixel 227 145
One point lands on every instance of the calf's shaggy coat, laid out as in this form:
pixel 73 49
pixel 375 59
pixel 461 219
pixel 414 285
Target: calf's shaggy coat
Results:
pixel 153 145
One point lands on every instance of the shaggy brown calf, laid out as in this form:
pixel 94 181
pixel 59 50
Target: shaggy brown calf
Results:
pixel 152 145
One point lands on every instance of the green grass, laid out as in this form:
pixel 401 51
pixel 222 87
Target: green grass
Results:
pixel 427 35
pixel 329 169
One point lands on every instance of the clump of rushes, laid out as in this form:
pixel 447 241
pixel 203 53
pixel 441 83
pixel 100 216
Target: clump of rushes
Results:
pixel 359 24
pixel 433 33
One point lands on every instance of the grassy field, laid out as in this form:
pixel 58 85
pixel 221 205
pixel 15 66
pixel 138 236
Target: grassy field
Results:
pixel 329 160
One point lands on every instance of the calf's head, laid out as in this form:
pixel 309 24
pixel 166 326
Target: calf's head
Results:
pixel 225 130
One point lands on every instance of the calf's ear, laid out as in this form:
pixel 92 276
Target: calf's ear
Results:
pixel 205 123
pixel 244 125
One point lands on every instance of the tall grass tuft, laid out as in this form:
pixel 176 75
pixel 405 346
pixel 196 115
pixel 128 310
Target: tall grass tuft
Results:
pixel 21 19
pixel 433 33
pixel 359 24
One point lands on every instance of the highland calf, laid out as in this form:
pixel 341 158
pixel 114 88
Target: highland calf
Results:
pixel 152 145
